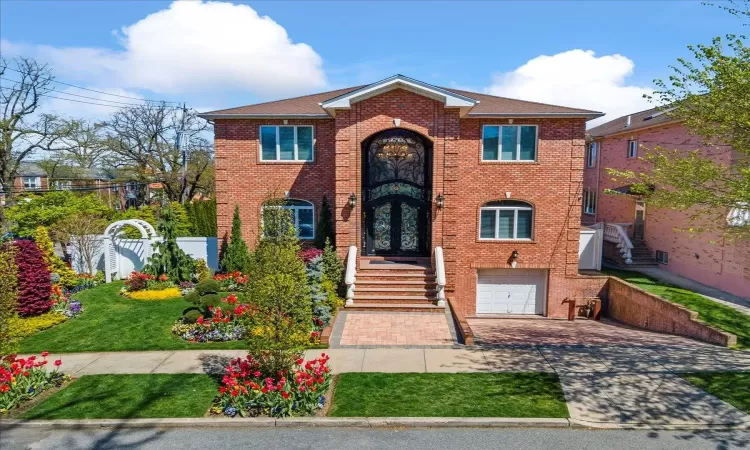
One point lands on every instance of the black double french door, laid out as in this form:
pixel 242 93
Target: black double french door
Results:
pixel 396 191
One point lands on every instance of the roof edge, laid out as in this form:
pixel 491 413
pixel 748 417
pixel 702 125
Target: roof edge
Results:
pixel 211 116
pixel 589 115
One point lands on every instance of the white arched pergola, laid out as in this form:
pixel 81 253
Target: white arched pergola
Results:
pixel 112 232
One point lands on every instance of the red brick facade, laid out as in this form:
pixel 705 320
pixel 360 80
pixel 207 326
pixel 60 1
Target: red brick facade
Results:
pixel 552 184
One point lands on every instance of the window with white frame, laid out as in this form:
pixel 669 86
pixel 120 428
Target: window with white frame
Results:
pixel 32 183
pixel 506 219
pixel 589 202
pixel 591 154
pixel 662 257
pixel 509 142
pixel 286 143
pixel 63 185
pixel 301 213
pixel 632 149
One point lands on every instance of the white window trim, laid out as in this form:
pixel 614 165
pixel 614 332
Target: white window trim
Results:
pixel 278 145
pixel 591 154
pixel 515 210
pixel 63 185
pixel 296 209
pixel 36 185
pixel 632 148
pixel 518 143
pixel 589 202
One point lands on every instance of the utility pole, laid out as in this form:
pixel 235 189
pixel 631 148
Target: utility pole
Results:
pixel 182 148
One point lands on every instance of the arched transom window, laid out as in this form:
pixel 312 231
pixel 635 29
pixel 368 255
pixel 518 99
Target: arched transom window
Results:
pixel 506 219
pixel 301 212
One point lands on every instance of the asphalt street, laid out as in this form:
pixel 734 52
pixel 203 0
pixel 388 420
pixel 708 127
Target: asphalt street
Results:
pixel 354 438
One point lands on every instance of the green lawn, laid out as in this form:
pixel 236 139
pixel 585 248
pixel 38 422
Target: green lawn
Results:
pixel 732 387
pixel 129 396
pixel 448 395
pixel 711 312
pixel 111 322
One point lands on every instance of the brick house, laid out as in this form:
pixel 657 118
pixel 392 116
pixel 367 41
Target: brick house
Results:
pixel 410 167
pixel 654 233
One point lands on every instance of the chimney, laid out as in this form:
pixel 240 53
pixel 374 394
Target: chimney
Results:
pixel 627 122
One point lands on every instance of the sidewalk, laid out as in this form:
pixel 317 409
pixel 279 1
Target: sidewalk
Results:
pixel 604 385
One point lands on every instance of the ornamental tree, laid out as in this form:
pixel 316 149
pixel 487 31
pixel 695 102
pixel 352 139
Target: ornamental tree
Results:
pixel 168 258
pixel 34 285
pixel 236 256
pixel 56 265
pixel 8 298
pixel 279 288
pixel 708 93
pixel 51 208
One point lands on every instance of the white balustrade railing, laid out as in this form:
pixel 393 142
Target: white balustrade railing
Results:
pixel 615 233
pixel 351 274
pixel 440 276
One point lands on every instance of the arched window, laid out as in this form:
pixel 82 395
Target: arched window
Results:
pixel 506 219
pixel 301 212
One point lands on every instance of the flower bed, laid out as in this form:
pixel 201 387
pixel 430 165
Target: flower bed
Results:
pixel 232 282
pixel 223 325
pixel 159 294
pixel 23 379
pixel 246 392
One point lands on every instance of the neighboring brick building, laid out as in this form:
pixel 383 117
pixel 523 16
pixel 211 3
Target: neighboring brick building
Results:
pixel 507 172
pixel 620 144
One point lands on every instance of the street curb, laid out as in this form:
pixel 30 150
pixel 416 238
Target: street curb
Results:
pixel 300 422
pixel 578 423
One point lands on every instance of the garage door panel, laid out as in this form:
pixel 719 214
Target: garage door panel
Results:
pixel 510 292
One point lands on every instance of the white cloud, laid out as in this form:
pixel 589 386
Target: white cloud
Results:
pixel 194 46
pixel 576 78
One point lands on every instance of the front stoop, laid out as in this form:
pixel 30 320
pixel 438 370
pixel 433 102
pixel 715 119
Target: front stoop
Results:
pixel 395 285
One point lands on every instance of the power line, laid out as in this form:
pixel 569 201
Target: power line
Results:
pixel 98 92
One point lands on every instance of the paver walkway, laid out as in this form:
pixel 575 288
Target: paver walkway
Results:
pixel 391 329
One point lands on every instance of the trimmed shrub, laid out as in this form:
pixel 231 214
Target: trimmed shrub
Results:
pixel 8 299
pixel 324 231
pixel 333 267
pixel 236 257
pixel 34 285
pixel 55 265
pixel 204 296
pixel 203 216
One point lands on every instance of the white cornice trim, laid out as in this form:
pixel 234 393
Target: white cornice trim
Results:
pixel 589 115
pixel 211 116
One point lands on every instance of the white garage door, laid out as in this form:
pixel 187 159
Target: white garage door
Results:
pixel 511 291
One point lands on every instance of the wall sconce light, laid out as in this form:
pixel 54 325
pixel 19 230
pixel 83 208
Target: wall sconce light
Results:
pixel 514 259
pixel 440 200
pixel 352 200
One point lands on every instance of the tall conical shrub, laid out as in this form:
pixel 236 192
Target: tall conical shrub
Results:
pixel 168 258
pixel 324 228
pixel 34 285
pixel 236 256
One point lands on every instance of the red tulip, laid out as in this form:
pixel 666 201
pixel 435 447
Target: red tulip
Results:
pixel 45 354
pixel 58 362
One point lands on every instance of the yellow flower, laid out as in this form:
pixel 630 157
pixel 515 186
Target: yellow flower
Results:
pixel 162 294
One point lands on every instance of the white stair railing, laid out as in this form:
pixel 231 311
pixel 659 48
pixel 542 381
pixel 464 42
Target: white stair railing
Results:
pixel 440 276
pixel 615 233
pixel 351 274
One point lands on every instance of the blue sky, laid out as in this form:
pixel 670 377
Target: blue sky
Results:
pixel 600 54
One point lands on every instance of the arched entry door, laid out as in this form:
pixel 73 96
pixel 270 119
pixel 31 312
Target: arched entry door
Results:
pixel 396 185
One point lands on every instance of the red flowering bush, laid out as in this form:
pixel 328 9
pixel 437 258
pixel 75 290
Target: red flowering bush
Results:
pixel 34 285
pixel 23 378
pixel 138 281
pixel 232 281
pixel 299 391
pixel 309 254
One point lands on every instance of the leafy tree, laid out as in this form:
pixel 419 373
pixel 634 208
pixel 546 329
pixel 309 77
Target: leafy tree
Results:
pixel 50 208
pixel 710 94
pixel 82 144
pixel 324 231
pixel 236 256
pixel 23 130
pixel 56 265
pixel 8 299
pixel 279 288
pixel 34 285
pixel 168 257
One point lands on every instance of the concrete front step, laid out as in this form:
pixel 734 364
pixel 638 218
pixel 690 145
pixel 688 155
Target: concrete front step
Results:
pixel 391 295
pixel 395 307
pixel 363 278
pixel 394 290
pixel 394 300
